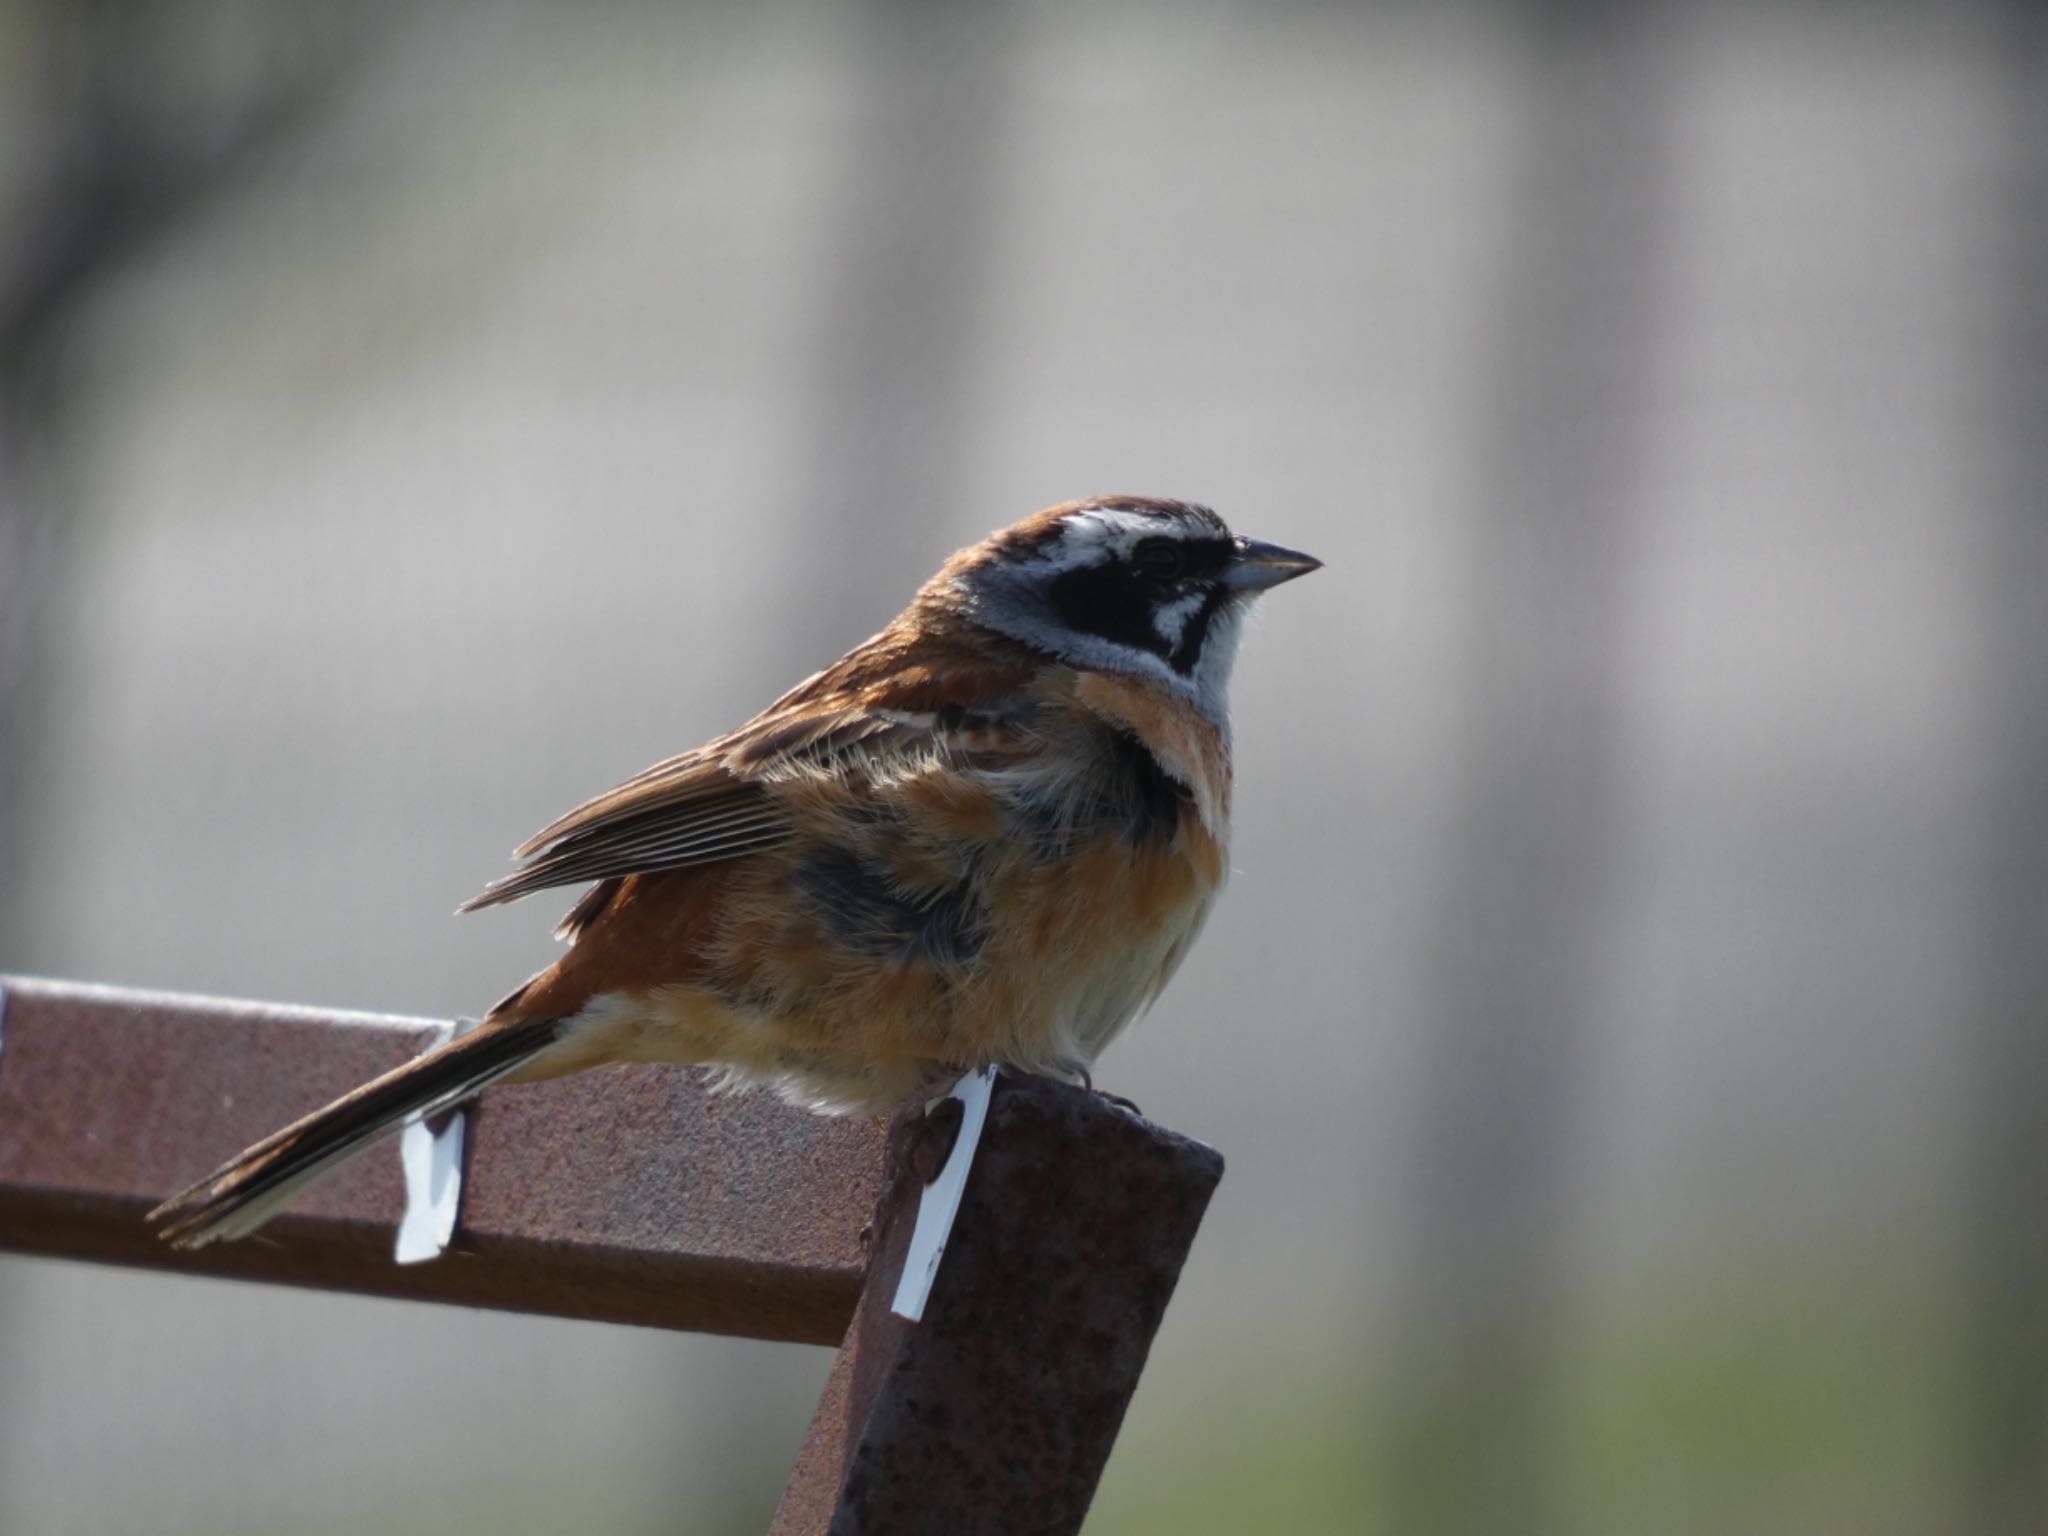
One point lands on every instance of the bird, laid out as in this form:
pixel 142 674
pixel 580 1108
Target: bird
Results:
pixel 986 836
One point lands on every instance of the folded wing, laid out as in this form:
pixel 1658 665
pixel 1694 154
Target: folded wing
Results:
pixel 720 801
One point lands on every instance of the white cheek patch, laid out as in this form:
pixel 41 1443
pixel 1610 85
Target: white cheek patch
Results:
pixel 1170 620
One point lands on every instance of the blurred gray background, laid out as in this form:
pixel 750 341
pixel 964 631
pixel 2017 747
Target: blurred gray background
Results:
pixel 1628 1026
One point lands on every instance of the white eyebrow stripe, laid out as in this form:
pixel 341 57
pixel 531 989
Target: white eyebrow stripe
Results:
pixel 1096 533
pixel 1087 538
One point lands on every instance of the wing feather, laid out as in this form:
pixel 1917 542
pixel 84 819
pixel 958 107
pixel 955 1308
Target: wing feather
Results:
pixel 721 800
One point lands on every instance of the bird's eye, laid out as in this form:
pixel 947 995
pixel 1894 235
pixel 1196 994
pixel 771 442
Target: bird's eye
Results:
pixel 1163 558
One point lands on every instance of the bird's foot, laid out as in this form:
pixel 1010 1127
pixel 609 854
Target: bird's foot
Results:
pixel 1078 1073
pixel 932 1137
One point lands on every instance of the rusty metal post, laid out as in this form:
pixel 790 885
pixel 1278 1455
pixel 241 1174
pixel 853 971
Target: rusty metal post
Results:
pixel 996 1413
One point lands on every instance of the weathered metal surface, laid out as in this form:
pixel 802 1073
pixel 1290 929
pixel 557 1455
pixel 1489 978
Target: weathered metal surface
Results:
pixel 996 1414
pixel 629 1195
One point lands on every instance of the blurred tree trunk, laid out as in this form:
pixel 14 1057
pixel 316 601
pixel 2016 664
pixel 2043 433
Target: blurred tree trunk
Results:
pixel 897 339
pixel 136 118
pixel 120 142
pixel 2008 1429
pixel 1517 951
pixel 891 416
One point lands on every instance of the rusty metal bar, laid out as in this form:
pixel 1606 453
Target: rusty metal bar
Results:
pixel 996 1413
pixel 635 1196
pixel 630 1196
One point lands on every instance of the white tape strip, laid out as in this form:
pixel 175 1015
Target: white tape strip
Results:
pixel 431 1154
pixel 433 1186
pixel 940 1203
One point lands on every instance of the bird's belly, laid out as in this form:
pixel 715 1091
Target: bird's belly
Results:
pixel 841 986
pixel 1124 984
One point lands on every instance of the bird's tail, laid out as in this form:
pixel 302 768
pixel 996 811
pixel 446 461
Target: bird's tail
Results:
pixel 247 1190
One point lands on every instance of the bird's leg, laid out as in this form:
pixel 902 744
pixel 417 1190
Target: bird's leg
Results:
pixel 1079 1073
pixel 923 1137
pixel 932 1147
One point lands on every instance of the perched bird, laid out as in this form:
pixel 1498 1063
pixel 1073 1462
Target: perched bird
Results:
pixel 988 834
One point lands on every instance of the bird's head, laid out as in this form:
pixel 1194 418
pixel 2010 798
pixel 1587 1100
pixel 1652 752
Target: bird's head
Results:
pixel 1122 584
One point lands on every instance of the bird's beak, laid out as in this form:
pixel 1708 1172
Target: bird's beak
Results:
pixel 1257 566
